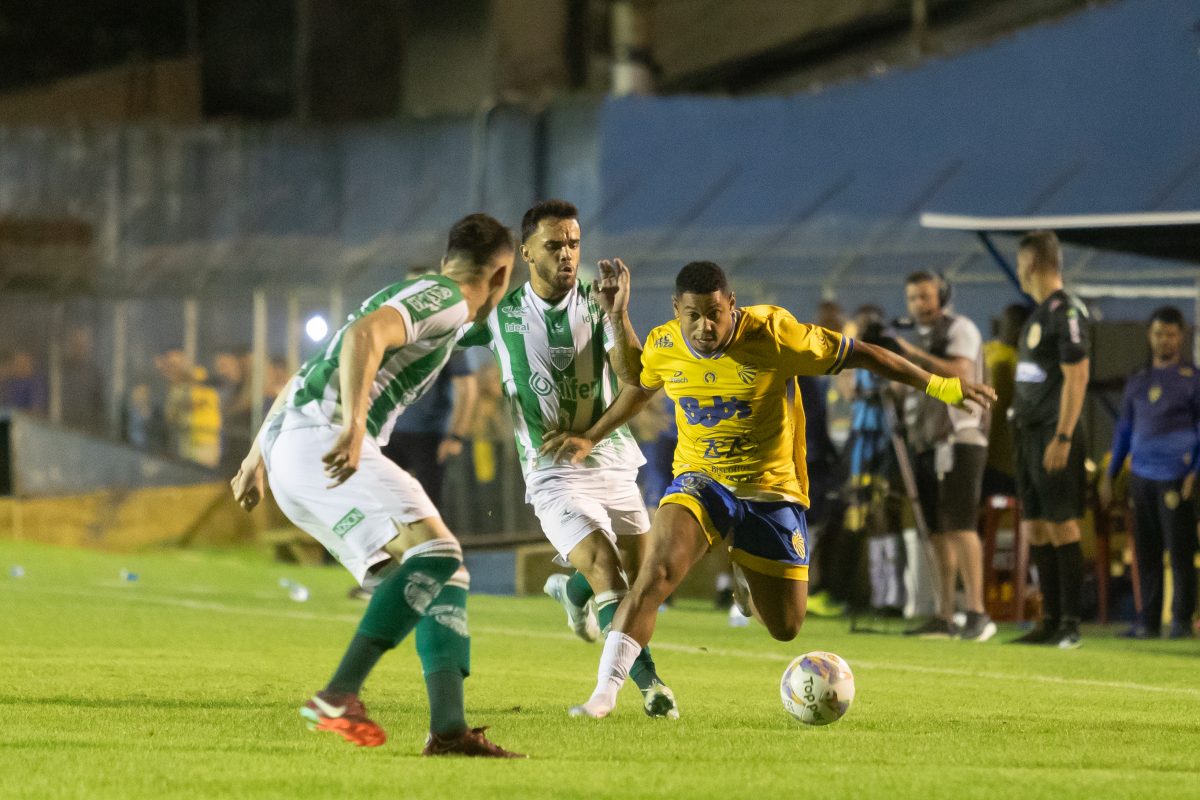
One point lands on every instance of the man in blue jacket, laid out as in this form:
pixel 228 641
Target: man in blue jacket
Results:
pixel 1160 428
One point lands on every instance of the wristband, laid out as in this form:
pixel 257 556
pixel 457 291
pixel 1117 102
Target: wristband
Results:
pixel 948 390
pixel 456 438
pixel 1065 438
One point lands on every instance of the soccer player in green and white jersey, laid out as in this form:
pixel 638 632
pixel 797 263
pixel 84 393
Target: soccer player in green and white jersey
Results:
pixel 320 449
pixel 561 344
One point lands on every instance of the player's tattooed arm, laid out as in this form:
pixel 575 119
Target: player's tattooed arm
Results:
pixel 363 346
pixel 612 295
pixel 888 365
pixel 571 448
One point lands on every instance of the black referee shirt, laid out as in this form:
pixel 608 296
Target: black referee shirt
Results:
pixel 1056 333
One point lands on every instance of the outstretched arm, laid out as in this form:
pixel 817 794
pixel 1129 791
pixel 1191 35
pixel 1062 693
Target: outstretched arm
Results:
pixel 886 364
pixel 951 367
pixel 571 448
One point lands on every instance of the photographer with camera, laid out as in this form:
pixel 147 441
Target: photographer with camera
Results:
pixel 950 448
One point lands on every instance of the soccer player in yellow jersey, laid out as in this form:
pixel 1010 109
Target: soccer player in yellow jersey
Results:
pixel 739 465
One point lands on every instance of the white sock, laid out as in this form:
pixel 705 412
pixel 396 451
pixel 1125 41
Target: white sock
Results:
pixel 620 651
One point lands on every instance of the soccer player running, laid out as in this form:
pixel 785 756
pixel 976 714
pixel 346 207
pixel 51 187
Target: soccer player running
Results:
pixel 1051 382
pixel 1160 427
pixel 561 344
pixel 320 450
pixel 739 465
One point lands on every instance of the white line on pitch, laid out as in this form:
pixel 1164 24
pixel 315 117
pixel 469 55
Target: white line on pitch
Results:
pixel 222 608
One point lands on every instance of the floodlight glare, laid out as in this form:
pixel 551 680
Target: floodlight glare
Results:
pixel 316 327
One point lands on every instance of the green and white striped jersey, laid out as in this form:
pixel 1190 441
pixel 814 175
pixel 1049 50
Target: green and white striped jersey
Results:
pixel 555 373
pixel 434 312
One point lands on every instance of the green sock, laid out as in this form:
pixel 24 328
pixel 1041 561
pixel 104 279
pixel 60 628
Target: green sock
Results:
pixel 395 609
pixel 360 658
pixel 642 671
pixel 579 591
pixel 444 646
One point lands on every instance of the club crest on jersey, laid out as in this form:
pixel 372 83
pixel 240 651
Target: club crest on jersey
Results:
pixel 664 341
pixel 1155 394
pixel 747 372
pixel 1034 337
pixel 561 357
pixel 798 543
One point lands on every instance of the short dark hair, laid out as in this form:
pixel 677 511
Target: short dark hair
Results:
pixel 701 277
pixel 1169 315
pixel 547 209
pixel 1047 253
pixel 478 237
pixel 922 276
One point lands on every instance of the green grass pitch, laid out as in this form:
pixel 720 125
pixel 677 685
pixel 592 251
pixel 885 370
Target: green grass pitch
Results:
pixel 186 684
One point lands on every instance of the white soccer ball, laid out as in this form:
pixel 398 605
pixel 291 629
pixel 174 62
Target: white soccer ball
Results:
pixel 817 688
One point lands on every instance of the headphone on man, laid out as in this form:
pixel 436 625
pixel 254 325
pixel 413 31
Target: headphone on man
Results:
pixel 945 291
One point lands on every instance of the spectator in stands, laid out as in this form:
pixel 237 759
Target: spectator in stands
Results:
pixel 1159 427
pixel 950 445
pixel 192 411
pixel 142 423
pixel 228 379
pixel 83 398
pixel 1000 368
pixel 21 387
pixel 1051 383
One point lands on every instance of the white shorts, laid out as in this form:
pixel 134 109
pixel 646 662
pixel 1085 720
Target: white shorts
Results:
pixel 572 502
pixel 352 521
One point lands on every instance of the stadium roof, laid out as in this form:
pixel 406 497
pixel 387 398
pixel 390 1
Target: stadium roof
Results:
pixel 1173 235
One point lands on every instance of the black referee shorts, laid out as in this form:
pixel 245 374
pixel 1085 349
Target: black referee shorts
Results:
pixel 1049 496
pixel 950 500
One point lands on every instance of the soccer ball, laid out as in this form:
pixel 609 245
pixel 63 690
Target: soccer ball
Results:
pixel 817 688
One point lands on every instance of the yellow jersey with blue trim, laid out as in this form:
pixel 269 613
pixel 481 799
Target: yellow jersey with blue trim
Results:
pixel 738 409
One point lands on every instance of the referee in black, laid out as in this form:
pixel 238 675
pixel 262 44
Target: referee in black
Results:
pixel 1051 382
